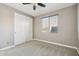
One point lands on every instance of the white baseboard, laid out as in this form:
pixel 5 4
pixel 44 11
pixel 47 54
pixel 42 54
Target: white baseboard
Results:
pixel 13 46
pixel 45 42
pixel 56 44
pixel 7 47
pixel 77 50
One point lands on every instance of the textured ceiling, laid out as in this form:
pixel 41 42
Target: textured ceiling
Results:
pixel 28 9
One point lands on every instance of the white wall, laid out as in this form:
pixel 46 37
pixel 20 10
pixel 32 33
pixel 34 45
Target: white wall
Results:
pixel 67 27
pixel 78 25
pixel 7 25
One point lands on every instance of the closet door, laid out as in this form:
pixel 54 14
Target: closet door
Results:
pixel 22 29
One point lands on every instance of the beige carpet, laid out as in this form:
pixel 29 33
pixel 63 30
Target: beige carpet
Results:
pixel 36 48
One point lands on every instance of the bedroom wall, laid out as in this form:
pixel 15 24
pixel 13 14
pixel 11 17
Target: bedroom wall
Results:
pixel 67 27
pixel 7 25
pixel 78 26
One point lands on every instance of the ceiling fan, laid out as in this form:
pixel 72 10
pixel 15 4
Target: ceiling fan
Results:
pixel 35 4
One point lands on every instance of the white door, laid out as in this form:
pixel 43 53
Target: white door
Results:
pixel 22 29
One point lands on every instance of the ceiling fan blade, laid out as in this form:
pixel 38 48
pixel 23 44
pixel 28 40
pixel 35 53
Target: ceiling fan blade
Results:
pixel 34 7
pixel 42 5
pixel 25 3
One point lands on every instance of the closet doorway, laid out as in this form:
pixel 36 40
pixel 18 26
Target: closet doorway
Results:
pixel 22 28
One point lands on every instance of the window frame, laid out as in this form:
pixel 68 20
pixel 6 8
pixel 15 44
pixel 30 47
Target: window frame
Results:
pixel 49 28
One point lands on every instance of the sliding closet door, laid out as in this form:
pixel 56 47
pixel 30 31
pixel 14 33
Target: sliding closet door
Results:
pixel 22 29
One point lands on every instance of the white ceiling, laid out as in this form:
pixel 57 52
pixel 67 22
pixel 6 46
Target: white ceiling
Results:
pixel 28 9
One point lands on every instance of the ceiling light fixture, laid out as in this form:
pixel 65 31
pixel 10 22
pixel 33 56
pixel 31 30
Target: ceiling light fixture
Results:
pixel 35 4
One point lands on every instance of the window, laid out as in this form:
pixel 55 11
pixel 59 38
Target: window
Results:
pixel 45 24
pixel 50 24
pixel 54 23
